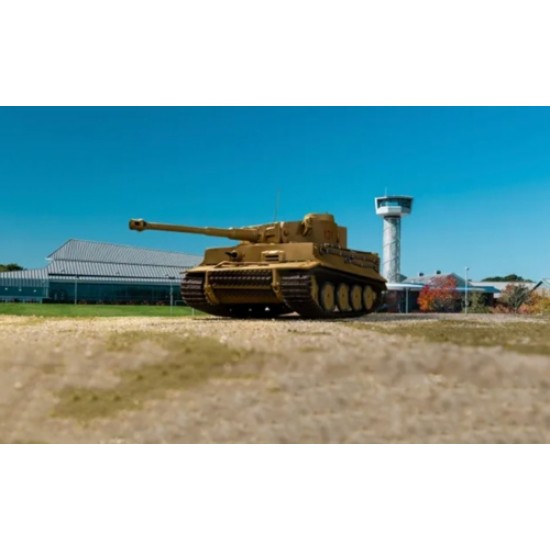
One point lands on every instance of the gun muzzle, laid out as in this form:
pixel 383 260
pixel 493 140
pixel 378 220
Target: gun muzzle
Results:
pixel 137 225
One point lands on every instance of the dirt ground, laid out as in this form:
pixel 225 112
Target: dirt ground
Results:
pixel 378 379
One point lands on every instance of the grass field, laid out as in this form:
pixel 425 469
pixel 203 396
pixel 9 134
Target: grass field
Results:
pixel 70 310
pixel 520 336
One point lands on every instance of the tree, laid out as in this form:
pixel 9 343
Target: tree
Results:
pixel 10 267
pixel 476 303
pixel 539 304
pixel 514 296
pixel 512 278
pixel 439 295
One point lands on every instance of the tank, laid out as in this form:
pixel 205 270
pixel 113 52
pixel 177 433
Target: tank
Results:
pixel 277 268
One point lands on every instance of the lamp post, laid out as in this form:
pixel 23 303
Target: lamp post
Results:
pixel 466 292
pixel 171 291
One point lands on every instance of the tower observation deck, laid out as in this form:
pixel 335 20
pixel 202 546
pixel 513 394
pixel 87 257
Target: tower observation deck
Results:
pixel 392 208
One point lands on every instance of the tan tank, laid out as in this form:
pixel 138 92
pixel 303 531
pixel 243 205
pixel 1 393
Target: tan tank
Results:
pixel 281 267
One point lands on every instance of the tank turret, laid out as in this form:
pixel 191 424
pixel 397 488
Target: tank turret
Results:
pixel 281 267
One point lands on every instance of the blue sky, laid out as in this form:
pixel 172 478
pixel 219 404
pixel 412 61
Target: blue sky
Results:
pixel 480 178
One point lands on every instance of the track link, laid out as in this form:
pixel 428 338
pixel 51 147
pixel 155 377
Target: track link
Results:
pixel 237 279
pixel 192 291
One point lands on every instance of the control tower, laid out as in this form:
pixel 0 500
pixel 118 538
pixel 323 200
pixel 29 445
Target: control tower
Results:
pixel 392 209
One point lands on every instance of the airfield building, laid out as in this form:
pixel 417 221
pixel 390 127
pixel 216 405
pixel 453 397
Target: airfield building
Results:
pixel 93 272
pixel 402 297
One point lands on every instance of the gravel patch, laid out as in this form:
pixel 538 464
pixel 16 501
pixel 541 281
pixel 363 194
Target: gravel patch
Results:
pixel 293 381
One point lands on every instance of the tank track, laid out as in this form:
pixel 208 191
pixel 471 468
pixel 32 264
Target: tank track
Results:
pixel 297 293
pixel 192 291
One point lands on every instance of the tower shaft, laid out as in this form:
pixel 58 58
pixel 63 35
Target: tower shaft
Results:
pixel 391 262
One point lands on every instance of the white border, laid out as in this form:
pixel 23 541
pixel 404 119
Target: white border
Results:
pixel 287 53
pixel 272 497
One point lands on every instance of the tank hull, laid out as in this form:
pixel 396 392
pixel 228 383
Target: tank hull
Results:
pixel 336 283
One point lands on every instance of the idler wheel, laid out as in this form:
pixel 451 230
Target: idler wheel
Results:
pixel 327 297
pixel 342 297
pixel 369 297
pixel 356 298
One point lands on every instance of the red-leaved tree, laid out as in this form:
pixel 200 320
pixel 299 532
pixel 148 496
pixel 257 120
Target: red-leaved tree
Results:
pixel 440 295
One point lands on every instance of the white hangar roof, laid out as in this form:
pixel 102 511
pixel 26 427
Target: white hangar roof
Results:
pixel 107 262
pixel 91 251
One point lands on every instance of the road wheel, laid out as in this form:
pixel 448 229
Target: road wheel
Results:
pixel 356 298
pixel 326 297
pixel 342 297
pixel 369 298
pixel 314 289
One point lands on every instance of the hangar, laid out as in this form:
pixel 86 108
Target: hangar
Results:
pixel 93 272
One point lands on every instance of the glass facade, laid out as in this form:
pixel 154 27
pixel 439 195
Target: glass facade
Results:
pixel 401 202
pixel 113 293
pixel 89 292
pixel 23 292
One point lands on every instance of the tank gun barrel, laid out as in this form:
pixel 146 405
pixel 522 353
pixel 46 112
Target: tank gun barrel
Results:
pixel 242 234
